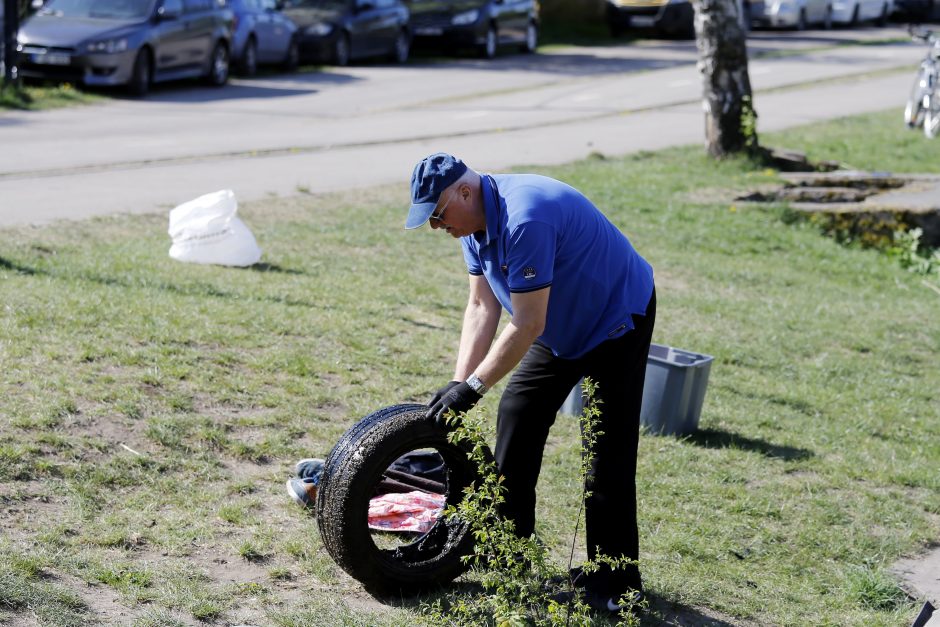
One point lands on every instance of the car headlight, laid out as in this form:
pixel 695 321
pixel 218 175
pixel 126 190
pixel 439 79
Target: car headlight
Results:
pixel 320 29
pixel 467 17
pixel 108 46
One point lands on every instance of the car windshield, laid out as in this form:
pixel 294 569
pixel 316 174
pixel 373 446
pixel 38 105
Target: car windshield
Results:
pixel 107 9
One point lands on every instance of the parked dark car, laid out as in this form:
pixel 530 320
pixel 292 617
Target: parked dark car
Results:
pixel 481 24
pixel 338 31
pixel 917 10
pixel 262 35
pixel 127 42
pixel 670 17
pixel 2 41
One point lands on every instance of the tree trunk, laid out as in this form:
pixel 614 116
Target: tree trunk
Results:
pixel 11 24
pixel 730 119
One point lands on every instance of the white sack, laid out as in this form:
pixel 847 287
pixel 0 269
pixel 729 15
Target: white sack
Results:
pixel 206 230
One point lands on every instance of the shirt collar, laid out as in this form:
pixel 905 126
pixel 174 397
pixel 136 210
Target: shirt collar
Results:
pixel 491 208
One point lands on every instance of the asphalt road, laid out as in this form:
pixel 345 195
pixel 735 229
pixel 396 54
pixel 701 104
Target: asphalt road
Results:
pixel 367 125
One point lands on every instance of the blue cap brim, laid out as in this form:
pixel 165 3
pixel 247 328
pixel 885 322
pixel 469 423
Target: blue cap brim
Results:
pixel 419 214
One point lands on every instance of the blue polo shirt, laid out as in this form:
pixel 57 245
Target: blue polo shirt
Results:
pixel 541 232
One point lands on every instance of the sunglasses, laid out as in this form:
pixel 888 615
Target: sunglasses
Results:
pixel 439 216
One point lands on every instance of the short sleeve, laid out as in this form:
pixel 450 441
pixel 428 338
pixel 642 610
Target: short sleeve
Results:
pixel 471 257
pixel 531 257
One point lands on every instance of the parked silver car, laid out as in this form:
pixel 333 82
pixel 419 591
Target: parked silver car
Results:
pixel 127 42
pixel 262 35
pixel 796 14
pixel 854 11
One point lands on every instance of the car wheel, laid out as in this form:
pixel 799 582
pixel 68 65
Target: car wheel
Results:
pixel 883 16
pixel 352 472
pixel 248 65
pixel 142 76
pixel 218 66
pixel 399 52
pixel 615 27
pixel 292 60
pixel 745 17
pixel 341 50
pixel 490 43
pixel 531 38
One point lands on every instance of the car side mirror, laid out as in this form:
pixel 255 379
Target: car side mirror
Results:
pixel 169 12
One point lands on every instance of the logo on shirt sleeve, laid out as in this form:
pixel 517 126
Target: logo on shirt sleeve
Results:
pixel 528 273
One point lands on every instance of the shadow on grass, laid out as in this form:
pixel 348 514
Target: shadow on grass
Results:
pixel 273 267
pixel 659 611
pixel 201 289
pixel 6 264
pixel 718 439
pixel 663 612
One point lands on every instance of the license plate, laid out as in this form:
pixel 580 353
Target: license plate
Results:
pixel 52 59
pixel 642 21
pixel 429 31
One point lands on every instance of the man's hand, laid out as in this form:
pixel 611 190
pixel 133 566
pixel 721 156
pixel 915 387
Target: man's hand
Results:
pixel 441 392
pixel 459 398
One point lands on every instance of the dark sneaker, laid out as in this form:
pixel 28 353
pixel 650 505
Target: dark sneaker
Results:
pixel 303 491
pixel 602 603
pixel 309 468
pixel 633 599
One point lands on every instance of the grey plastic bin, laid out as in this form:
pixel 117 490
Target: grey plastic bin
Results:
pixel 673 392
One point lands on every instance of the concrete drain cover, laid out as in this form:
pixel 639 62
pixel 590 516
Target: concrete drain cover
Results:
pixel 921 575
pixel 880 200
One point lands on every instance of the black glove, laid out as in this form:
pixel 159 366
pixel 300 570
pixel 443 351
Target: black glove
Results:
pixel 459 398
pixel 441 392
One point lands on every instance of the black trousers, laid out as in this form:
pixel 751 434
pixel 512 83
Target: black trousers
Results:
pixel 527 411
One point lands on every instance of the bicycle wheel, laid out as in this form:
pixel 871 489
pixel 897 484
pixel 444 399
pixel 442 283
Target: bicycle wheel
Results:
pixel 914 111
pixel 932 112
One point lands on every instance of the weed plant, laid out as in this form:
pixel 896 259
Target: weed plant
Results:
pixel 520 584
pixel 150 411
pixel 36 97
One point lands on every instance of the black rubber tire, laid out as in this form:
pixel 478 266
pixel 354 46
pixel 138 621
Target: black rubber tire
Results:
pixel 354 467
pixel 219 64
pixel 401 48
pixel 801 21
pixel 932 116
pixel 342 50
pixel 142 77
pixel 882 19
pixel 292 60
pixel 531 38
pixel 490 44
pixel 914 112
pixel 248 64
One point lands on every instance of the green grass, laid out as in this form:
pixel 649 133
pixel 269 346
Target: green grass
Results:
pixel 37 97
pixel 150 411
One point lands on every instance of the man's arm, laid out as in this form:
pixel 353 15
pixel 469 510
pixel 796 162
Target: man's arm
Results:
pixel 528 322
pixel 477 357
pixel 480 321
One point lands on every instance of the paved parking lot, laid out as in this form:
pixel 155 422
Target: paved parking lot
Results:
pixel 314 131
